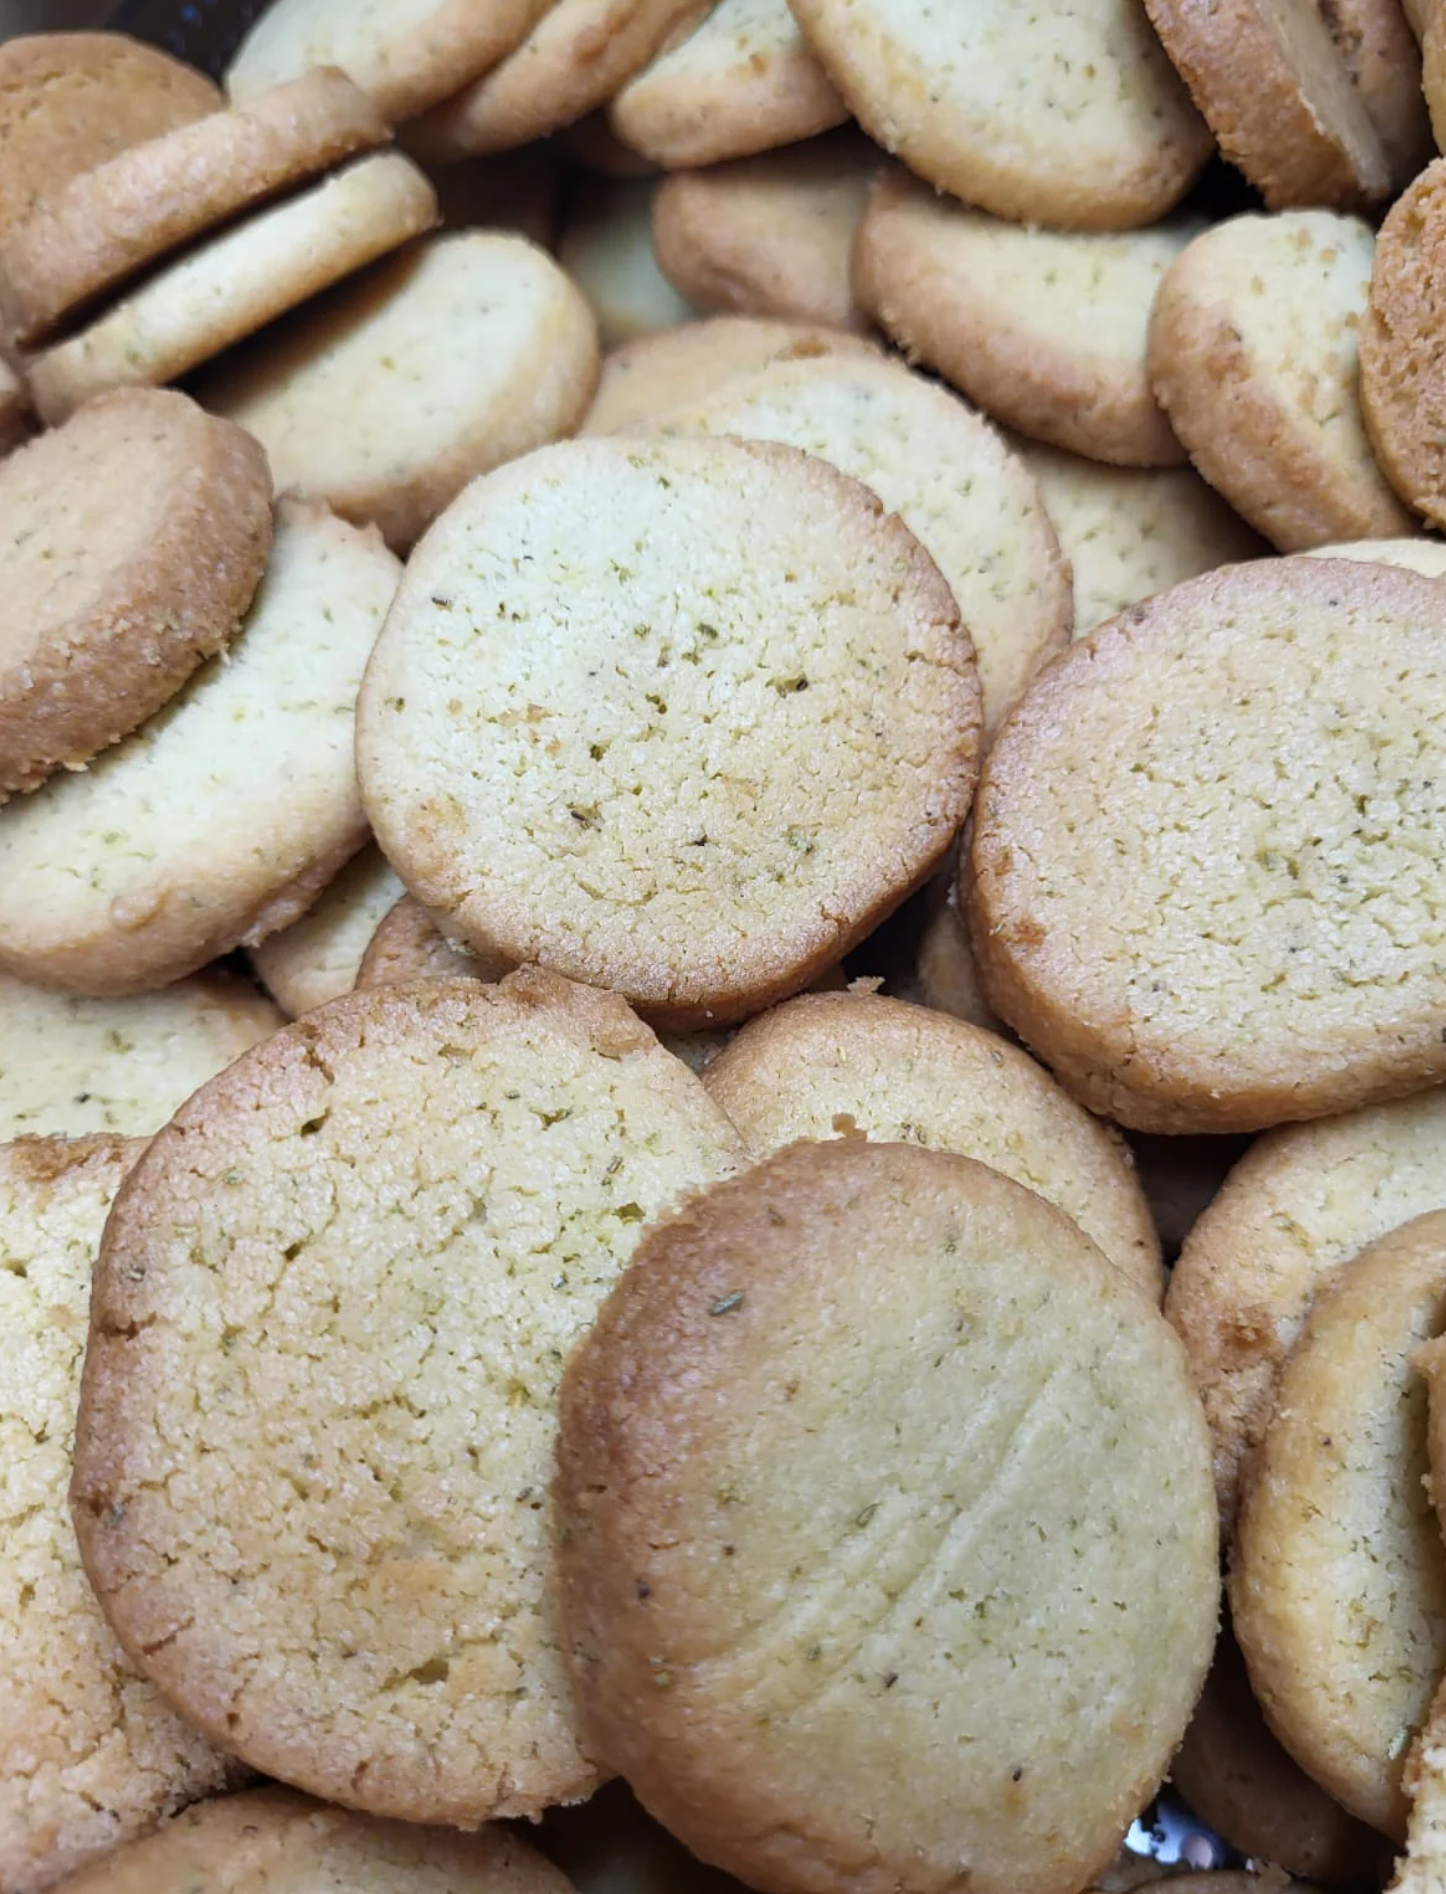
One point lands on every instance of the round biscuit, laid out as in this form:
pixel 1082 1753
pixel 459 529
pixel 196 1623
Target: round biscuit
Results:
pixel 1384 59
pixel 831 1064
pixel 384 400
pixel 1337 1586
pixel 72 1067
pixel 574 59
pixel 632 780
pixel 1188 957
pixel 1297 1207
pixel 1426 556
pixel 607 250
pixel 1279 98
pixel 103 226
pixel 1253 352
pixel 235 283
pixel 1068 115
pixel 133 539
pixel 1045 329
pixel 1130 532
pixel 70 101
pixel 369 1248
pixel 851 1429
pixel 742 82
pixel 406 54
pixel 272 1841
pixel 946 474
pixel 945 972
pixel 407 945
pixel 1401 347
pixel 90 1755
pixel 1238 1778
pixel 319 957
pixel 675 368
pixel 769 236
pixel 222 819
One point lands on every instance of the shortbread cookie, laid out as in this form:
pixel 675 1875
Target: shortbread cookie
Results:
pixel 272 1841
pixel 69 101
pixel 742 82
pixel 319 957
pixel 1337 1585
pixel 1253 351
pixel 132 540
pixel 1167 990
pixel 103 226
pixel 1384 60
pixel 70 1067
pixel 89 1753
pixel 1302 1203
pixel 1131 532
pixel 234 284
pixel 855 1426
pixel 1070 117
pixel 769 236
pixel 369 1248
pixel 1427 556
pixel 388 397
pixel 1431 30
pixel 408 945
pixel 947 977
pixel 515 190
pixel 834 1063
pixel 1279 98
pixel 651 377
pixel 406 53
pixel 1402 348
pixel 947 475
pixel 1235 1776
pixel 632 775
pixel 1418 12
pixel 575 58
pixel 222 819
pixel 607 250
pixel 1045 329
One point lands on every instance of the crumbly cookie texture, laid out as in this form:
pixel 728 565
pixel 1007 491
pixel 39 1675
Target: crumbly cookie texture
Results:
pixel 331 1315
pixel 1401 346
pixel 90 1755
pixel 1254 354
pixel 812 1513
pixel 633 778
pixel 1204 880
pixel 1336 1586
pixel 319 957
pixel 831 1063
pixel 133 541
pixel 1298 1206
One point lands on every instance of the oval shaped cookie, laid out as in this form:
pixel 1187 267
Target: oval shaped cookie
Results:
pixel 1279 98
pixel 1337 1586
pixel 319 957
pixel 675 368
pixel 1253 353
pixel 946 474
pixel 1206 887
pixel 607 250
pixel 91 233
pixel 940 1405
pixel 1131 532
pixel 424 1192
pixel 271 1841
pixel 769 236
pixel 70 1067
pixel 133 540
pixel 222 819
pixel 1068 116
pixel 406 54
pixel 1298 1206
pixel 624 780
pixel 90 1755
pixel 1401 346
pixel 743 81
pixel 233 284
pixel 386 399
pixel 1045 329
pixel 832 1063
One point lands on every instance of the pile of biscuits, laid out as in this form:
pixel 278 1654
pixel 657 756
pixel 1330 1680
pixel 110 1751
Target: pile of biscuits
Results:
pixel 723 949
